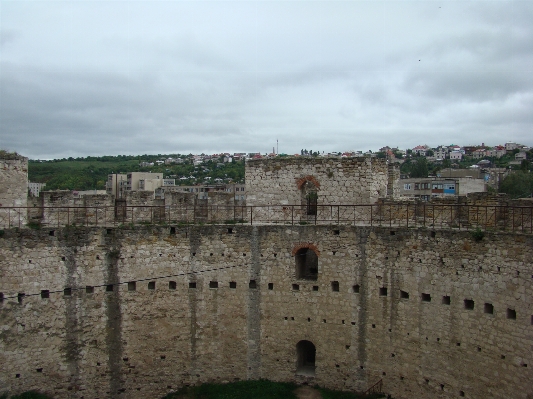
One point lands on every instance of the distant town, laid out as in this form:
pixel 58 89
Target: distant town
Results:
pixel 467 169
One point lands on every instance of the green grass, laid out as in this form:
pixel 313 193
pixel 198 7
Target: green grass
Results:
pixel 260 389
pixel 27 395
pixel 329 394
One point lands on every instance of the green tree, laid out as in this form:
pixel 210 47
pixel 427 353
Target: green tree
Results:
pixel 420 168
pixel 518 185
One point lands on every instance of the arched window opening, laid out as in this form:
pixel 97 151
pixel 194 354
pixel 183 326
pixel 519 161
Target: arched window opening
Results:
pixel 309 194
pixel 306 355
pixel 306 264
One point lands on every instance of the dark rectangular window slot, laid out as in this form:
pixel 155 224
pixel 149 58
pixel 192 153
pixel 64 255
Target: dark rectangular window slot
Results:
pixel 336 232
pixel 109 287
pixel 252 284
pixel 531 318
pixel 17 375
pixel 132 286
pixel 356 289
pixel 383 291
pixel 2 300
pixel 488 308
pixel 109 231
pixel 270 286
pixel 45 294
pixel 392 233
pixel 433 234
pixel 39 370
pixel 469 304
pixel 230 230
pixel 63 258
pixel 172 285
pixel 213 284
pixel 52 233
pixel 426 297
pixel 20 296
pixel 335 286
pixel 232 284
pixel 67 291
pixel 192 285
pixel 151 285
pixel 446 300
pixel 315 287
pixel 295 287
pixel 172 230
pixel 511 314
pixel 163 357
pixel 404 294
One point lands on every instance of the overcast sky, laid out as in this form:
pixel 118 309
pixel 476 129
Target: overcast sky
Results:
pixel 82 78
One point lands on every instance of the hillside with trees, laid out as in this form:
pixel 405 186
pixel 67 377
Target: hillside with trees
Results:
pixel 90 173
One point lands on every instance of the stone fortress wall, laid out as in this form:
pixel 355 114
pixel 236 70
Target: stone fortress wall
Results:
pixel 138 312
pixel 280 181
pixel 13 188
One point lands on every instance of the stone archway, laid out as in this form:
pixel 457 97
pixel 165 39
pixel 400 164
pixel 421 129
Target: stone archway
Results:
pixel 305 358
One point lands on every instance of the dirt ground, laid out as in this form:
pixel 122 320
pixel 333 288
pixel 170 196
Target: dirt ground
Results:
pixel 305 392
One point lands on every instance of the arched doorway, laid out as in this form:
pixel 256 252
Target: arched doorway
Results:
pixel 305 358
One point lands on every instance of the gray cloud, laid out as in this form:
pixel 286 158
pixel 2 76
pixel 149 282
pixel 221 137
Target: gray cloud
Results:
pixel 141 77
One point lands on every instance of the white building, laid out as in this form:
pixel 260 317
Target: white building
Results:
pixel 456 155
pixel 35 188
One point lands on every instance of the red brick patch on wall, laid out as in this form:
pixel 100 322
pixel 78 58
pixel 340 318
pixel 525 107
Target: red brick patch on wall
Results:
pixel 301 245
pixel 300 182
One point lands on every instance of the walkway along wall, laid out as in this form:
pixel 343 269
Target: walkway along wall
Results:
pixel 136 313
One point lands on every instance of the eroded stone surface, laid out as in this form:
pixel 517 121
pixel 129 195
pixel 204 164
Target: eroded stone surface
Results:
pixel 399 313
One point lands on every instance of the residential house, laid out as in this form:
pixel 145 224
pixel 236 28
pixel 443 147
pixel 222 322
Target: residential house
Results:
pixel 420 150
pixel 440 152
pixel 456 155
pixel 426 188
pixel 480 153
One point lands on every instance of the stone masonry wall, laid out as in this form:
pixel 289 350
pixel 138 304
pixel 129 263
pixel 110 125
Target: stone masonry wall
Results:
pixel 344 181
pixel 13 190
pixel 136 313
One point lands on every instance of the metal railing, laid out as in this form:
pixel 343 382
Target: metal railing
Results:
pixel 455 216
pixel 376 388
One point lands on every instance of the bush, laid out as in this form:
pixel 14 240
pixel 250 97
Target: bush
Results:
pixel 478 234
